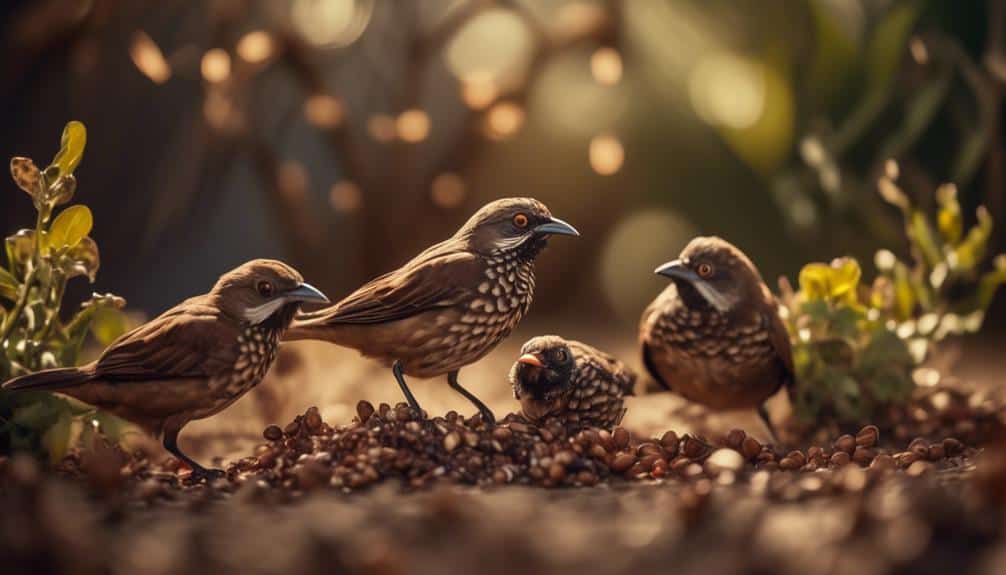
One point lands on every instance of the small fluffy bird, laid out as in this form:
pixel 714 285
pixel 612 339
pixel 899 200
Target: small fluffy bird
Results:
pixel 450 305
pixel 193 360
pixel 715 335
pixel 579 384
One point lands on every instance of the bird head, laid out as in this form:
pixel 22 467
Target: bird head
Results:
pixel 262 291
pixel 520 226
pixel 542 375
pixel 711 272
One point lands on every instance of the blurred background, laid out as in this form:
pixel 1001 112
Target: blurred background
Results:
pixel 344 136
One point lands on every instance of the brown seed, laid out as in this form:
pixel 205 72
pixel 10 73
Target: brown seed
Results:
pixel 840 458
pixel 906 458
pixel 556 472
pixel 565 457
pixel 846 443
pixel 622 462
pixel 620 438
pixel 646 463
pixel 883 462
pixel 750 448
pixel 692 447
pixel 272 433
pixel 502 434
pixel 736 438
pixel 789 464
pixel 451 441
pixel 648 448
pixel 364 409
pixel 670 443
pixel 797 456
pixel 312 419
pixel 598 452
pixel 919 446
pixel 868 436
pixel 605 439
pixel 863 456
pixel 292 428
pixel 952 446
pixel 937 452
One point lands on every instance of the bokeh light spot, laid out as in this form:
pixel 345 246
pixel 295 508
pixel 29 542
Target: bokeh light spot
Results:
pixel 448 190
pixel 255 47
pixel 413 125
pixel 323 111
pixel 606 66
pixel 606 154
pixel 216 65
pixel 148 58
pixel 504 119
pixel 345 197
pixel 728 90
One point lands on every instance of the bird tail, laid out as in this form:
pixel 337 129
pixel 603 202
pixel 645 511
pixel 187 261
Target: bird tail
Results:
pixel 50 379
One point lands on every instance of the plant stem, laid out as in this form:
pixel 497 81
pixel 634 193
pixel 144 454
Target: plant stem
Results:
pixel 22 301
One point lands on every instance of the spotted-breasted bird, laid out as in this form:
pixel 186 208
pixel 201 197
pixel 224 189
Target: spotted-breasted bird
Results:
pixel 572 381
pixel 193 360
pixel 451 304
pixel 714 335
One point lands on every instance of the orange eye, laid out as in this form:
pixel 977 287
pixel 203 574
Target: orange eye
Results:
pixel 560 356
pixel 264 289
pixel 520 220
pixel 705 270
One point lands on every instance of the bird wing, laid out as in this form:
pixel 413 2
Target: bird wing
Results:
pixel 779 338
pixel 191 340
pixel 644 328
pixel 607 366
pixel 423 284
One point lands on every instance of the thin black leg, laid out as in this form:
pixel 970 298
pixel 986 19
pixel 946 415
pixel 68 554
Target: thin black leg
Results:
pixel 400 378
pixel 198 471
pixel 763 414
pixel 487 414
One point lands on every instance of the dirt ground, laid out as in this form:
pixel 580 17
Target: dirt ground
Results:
pixel 888 514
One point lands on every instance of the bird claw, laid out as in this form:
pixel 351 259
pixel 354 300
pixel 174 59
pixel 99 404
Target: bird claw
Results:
pixel 202 474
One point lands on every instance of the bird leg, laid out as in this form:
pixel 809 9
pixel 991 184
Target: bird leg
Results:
pixel 487 414
pixel 400 378
pixel 763 414
pixel 198 471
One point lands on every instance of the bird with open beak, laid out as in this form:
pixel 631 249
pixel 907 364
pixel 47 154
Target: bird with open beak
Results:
pixel 714 335
pixel 193 360
pixel 580 385
pixel 450 305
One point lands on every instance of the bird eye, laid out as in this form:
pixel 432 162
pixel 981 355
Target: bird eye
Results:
pixel 520 220
pixel 704 270
pixel 264 288
pixel 560 356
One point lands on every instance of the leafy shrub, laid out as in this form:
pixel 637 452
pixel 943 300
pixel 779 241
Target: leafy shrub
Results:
pixel 33 336
pixel 858 347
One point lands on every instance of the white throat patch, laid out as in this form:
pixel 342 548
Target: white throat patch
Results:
pixel 260 313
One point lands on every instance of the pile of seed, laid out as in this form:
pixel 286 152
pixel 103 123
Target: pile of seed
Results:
pixel 395 443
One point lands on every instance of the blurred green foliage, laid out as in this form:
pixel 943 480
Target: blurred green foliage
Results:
pixel 857 346
pixel 40 262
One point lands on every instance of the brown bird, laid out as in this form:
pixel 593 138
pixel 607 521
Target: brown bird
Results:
pixel 572 381
pixel 451 304
pixel 193 360
pixel 715 335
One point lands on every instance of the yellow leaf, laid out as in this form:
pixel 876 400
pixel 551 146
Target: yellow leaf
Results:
pixel 71 148
pixel 70 226
pixel 814 281
pixel 949 218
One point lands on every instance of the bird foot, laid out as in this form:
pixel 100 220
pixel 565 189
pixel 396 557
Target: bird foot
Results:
pixel 203 474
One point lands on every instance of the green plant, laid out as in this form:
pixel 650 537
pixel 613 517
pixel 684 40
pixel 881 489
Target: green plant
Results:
pixel 858 347
pixel 40 262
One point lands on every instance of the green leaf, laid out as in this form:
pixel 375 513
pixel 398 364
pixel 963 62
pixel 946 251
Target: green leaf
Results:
pixel 8 286
pixel 56 439
pixel 70 227
pixel 20 247
pixel 71 148
pixel 26 175
pixel 970 252
pixel 922 238
pixel 948 219
pixel 82 260
pixel 107 324
pixel 904 293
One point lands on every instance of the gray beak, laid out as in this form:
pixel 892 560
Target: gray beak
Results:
pixel 677 270
pixel 557 227
pixel 305 293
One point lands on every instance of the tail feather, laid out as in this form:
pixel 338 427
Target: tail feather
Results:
pixel 50 379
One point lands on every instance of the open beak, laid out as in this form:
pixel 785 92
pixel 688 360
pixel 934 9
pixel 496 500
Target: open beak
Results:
pixel 677 270
pixel 530 359
pixel 557 227
pixel 305 293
